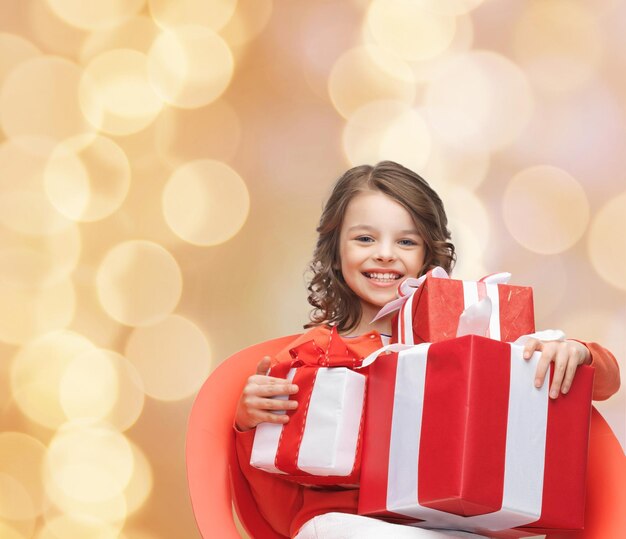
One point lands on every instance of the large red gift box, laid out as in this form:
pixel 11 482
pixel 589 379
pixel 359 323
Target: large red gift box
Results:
pixel 431 312
pixel 457 436
pixel 321 443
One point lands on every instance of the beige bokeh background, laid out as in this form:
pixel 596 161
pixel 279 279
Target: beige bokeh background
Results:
pixel 162 167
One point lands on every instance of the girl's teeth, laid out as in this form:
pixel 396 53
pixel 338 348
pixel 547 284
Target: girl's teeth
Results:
pixel 383 276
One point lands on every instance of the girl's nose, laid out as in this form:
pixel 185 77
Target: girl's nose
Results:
pixel 385 253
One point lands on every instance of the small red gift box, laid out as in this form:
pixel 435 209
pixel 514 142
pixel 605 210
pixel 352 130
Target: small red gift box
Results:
pixel 321 443
pixel 457 436
pixel 431 312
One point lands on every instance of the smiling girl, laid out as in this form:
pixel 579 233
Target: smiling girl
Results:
pixel 381 224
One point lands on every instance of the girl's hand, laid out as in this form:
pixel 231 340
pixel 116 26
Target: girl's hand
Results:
pixel 256 405
pixel 567 355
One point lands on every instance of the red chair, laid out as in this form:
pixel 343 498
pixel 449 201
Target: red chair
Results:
pixel 210 454
pixel 210 450
pixel 605 512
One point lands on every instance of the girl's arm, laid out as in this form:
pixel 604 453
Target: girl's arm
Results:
pixel 606 381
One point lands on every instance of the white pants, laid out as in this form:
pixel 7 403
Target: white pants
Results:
pixel 347 526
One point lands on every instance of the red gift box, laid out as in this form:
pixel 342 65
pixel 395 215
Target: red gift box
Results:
pixel 431 312
pixel 457 435
pixel 321 443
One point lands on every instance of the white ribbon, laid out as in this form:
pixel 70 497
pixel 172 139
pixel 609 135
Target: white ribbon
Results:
pixel 396 347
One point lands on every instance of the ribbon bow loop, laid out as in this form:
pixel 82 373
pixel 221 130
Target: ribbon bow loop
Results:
pixel 336 354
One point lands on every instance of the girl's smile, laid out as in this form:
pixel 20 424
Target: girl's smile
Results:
pixel 383 277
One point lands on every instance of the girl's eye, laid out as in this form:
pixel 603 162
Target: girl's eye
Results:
pixel 407 242
pixel 364 239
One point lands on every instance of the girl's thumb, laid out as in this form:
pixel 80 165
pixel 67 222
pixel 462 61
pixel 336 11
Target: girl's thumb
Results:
pixel 263 365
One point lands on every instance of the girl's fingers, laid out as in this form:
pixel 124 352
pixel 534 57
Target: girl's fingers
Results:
pixel 276 404
pixel 572 365
pixel 271 389
pixel 543 365
pixel 261 380
pixel 530 346
pixel 560 366
pixel 269 417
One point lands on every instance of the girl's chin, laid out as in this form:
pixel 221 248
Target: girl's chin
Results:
pixel 375 304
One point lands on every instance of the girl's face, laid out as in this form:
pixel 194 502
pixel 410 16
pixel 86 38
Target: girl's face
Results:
pixel 378 247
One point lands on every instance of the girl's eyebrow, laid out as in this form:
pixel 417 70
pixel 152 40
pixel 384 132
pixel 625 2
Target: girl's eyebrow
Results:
pixel 413 231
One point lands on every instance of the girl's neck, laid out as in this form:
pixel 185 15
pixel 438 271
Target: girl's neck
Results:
pixel 383 325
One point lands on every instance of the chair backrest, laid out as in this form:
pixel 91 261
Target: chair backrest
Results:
pixel 605 512
pixel 210 452
pixel 210 449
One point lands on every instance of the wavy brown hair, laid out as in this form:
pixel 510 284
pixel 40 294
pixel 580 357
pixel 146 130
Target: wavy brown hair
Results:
pixel 333 301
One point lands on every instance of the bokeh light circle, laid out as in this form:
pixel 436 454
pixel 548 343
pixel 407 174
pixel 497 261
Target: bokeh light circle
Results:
pixel 39 98
pixel 115 95
pixel 407 140
pixel 77 526
pixel 87 179
pixel 28 312
pixel 14 50
pixel 369 73
pixel 205 202
pixel 137 34
pixel 94 14
pixel 448 7
pixel 111 512
pixel 560 44
pixel 173 358
pixel 408 30
pixel 248 21
pixel 88 388
pixel 51 33
pixel 89 463
pixel 545 209
pixel 607 242
pixel 141 482
pixel 470 251
pixel 15 503
pixel 214 14
pixel 428 70
pixel 139 283
pixel 479 101
pixel 24 205
pixel 21 459
pixel 36 372
pixel 28 261
pixel 190 66
pixel 130 394
pixel 102 385
pixel 469 212
pixel 449 165
pixel 384 130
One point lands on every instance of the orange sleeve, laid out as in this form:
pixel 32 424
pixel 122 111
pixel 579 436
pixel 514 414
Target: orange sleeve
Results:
pixel 606 380
pixel 277 500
